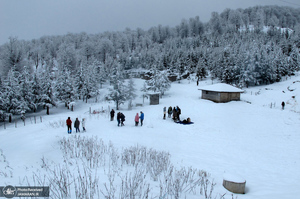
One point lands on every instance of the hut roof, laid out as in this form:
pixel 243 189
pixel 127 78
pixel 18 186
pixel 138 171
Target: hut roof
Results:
pixel 221 87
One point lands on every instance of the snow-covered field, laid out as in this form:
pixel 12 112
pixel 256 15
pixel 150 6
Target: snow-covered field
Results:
pixel 252 138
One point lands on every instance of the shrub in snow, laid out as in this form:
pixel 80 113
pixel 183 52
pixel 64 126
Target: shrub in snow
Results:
pixel 135 172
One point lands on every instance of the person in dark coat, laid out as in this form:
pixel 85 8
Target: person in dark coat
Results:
pixel 170 111
pixel 174 114
pixel 119 118
pixel 178 112
pixel 76 125
pixel 69 125
pixel 282 105
pixel 122 119
pixel 112 114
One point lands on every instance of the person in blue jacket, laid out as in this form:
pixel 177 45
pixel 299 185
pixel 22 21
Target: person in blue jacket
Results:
pixel 142 118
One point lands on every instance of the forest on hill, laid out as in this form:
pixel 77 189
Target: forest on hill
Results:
pixel 243 47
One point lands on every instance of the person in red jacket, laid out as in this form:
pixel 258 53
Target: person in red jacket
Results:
pixel 69 124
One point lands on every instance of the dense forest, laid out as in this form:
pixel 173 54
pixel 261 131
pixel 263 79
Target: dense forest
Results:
pixel 243 47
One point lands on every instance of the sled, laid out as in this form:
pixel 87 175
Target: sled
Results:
pixel 184 123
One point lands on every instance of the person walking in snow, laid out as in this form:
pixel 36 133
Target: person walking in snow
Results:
pixel 122 119
pixel 142 118
pixel 69 125
pixel 112 114
pixel 83 124
pixel 76 125
pixel 165 111
pixel 170 111
pixel 137 119
pixel 119 118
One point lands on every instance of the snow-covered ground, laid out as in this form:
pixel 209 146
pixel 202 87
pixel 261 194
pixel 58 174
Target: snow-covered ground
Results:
pixel 252 138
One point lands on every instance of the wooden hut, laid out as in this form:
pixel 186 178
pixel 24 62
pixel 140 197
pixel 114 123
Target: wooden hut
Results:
pixel 154 98
pixel 221 93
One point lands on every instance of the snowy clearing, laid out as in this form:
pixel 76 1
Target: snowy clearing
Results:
pixel 252 138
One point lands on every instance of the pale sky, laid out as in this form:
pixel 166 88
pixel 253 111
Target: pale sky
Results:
pixel 32 19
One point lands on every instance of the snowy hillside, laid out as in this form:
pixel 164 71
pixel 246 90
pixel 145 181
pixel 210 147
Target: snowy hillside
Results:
pixel 252 138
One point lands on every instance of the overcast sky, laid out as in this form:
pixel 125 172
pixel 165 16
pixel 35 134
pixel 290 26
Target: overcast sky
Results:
pixel 31 19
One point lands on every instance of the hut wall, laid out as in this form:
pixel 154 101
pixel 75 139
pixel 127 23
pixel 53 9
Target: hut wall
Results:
pixel 220 97
pixel 210 95
pixel 154 99
pixel 227 97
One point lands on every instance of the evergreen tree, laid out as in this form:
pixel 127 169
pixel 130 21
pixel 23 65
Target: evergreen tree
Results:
pixel 158 83
pixel 65 88
pixel 131 92
pixel 47 97
pixel 2 108
pixel 118 93
pixel 14 100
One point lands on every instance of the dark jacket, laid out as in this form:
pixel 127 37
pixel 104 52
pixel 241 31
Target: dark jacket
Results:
pixel 76 123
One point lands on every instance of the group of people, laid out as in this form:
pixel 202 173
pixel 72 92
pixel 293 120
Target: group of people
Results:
pixel 76 125
pixel 172 112
pixel 121 118
pixel 138 118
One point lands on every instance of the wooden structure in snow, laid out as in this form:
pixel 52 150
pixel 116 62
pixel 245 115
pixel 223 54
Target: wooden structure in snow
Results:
pixel 234 183
pixel 221 93
pixel 154 98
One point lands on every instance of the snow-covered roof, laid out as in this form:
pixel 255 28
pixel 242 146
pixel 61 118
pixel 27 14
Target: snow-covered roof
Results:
pixel 221 87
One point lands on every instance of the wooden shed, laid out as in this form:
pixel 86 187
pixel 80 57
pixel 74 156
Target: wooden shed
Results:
pixel 154 98
pixel 221 93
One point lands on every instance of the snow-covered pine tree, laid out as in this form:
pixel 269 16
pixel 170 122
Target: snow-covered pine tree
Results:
pixel 47 98
pixel 65 88
pixel 158 83
pixel 90 85
pixel 118 93
pixel 131 92
pixel 26 85
pixel 201 70
pixel 36 90
pixel 2 108
pixel 14 100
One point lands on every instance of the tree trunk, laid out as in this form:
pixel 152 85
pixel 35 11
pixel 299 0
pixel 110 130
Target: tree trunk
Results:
pixel 48 110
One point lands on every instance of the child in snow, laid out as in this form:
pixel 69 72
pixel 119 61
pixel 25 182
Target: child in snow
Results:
pixel 83 124
pixel 137 119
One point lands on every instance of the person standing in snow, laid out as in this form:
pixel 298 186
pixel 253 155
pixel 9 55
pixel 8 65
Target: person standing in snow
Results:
pixel 119 118
pixel 112 114
pixel 174 114
pixel 165 111
pixel 178 112
pixel 83 124
pixel 69 125
pixel 76 125
pixel 122 119
pixel 137 119
pixel 282 104
pixel 142 118
pixel 170 111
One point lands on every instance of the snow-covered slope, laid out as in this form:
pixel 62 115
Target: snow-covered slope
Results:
pixel 252 138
